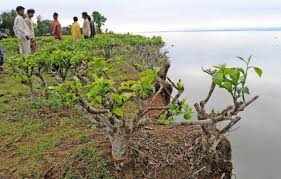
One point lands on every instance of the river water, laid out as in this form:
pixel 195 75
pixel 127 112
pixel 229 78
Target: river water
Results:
pixel 256 140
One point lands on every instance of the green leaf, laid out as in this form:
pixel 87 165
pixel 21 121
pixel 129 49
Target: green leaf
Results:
pixel 217 67
pixel 187 116
pixel 241 70
pixel 233 74
pixel 180 86
pixel 117 98
pixel 98 99
pixel 162 118
pixel 218 78
pixel 171 119
pixel 51 87
pixel 174 109
pixel 118 112
pixel 227 85
pixel 246 90
pixel 141 66
pixel 258 71
pixel 124 88
pixel 242 59
pixel 126 96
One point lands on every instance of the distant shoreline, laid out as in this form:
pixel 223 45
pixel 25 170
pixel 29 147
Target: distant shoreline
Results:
pixel 219 30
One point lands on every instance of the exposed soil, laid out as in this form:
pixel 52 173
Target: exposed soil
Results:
pixel 159 101
pixel 164 152
pixel 159 152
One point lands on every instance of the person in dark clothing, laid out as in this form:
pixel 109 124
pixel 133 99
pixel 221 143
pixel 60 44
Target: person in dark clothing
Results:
pixel 92 24
pixel 1 52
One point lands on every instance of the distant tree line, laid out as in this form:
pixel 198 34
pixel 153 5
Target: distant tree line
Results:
pixel 43 25
pixel 7 21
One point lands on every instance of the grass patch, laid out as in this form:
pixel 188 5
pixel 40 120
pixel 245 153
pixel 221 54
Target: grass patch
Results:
pixel 86 162
pixel 10 133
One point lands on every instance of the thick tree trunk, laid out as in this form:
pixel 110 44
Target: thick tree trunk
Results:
pixel 167 88
pixel 164 68
pixel 119 141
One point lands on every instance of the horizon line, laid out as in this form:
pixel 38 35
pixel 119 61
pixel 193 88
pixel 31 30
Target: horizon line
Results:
pixel 217 30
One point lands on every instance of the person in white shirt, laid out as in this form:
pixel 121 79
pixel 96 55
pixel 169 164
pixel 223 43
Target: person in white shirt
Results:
pixel 22 32
pixel 30 24
pixel 86 26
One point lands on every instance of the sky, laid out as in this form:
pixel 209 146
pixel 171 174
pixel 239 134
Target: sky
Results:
pixel 162 15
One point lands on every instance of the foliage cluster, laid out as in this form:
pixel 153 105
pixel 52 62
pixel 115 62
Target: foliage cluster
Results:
pixel 80 75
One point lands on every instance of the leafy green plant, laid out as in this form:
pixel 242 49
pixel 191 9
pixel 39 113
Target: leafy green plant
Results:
pixel 23 68
pixel 105 100
pixel 234 79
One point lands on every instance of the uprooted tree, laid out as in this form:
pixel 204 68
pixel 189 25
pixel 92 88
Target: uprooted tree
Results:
pixel 107 102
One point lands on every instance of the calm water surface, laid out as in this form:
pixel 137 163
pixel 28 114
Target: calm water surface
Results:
pixel 256 143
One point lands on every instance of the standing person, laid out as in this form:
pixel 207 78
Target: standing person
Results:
pixel 1 52
pixel 75 30
pixel 22 32
pixel 30 24
pixel 56 28
pixel 92 25
pixel 86 26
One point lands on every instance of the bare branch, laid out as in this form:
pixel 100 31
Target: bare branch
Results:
pixel 205 101
pixel 241 108
pixel 190 123
pixel 154 108
pixel 172 83
pixel 158 92
pixel 230 125
pixel 209 71
pixel 178 95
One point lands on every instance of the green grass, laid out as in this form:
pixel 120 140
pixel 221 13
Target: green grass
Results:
pixel 31 133
pixel 91 164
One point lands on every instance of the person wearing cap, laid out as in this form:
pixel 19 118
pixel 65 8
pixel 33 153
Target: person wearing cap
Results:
pixel 56 28
pixel 75 30
pixel 22 32
pixel 86 26
pixel 30 24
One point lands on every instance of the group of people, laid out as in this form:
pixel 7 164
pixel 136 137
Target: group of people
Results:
pixel 88 28
pixel 24 31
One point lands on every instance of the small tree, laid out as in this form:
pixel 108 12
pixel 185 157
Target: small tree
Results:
pixel 106 102
pixel 66 30
pixel 43 26
pixel 234 81
pixel 7 21
pixel 26 67
pixel 99 21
